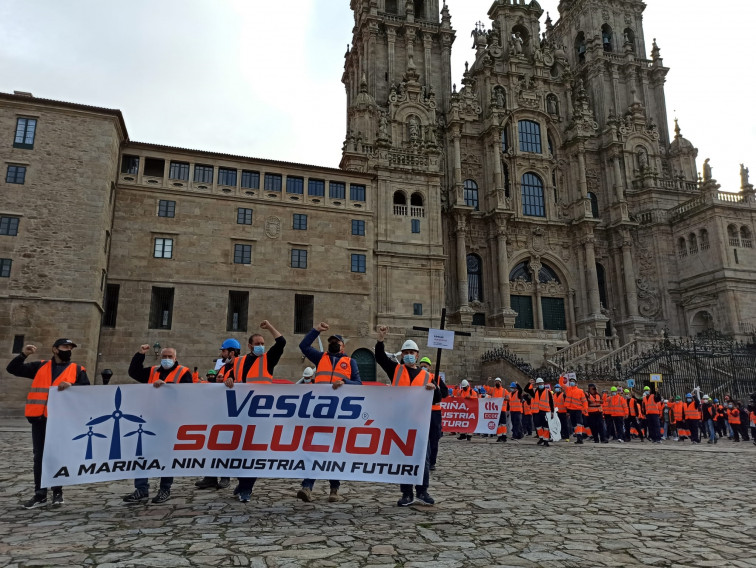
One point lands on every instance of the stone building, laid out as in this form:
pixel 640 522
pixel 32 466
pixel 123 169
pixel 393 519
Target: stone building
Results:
pixel 542 202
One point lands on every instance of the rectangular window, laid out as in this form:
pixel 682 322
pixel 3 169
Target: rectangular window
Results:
pixel 154 167
pixel 553 314
pixel 243 216
pixel 300 222
pixel 203 174
pixel 163 248
pixel 227 176
pixel 9 226
pixel 26 128
pixel 316 187
pixel 166 208
pixel 357 192
pixel 358 263
pixel 5 267
pixel 242 254
pixel 304 308
pixel 130 165
pixel 273 182
pixel 530 136
pixel 415 225
pixel 179 170
pixel 18 344
pixel 161 308
pixel 110 311
pixel 294 185
pixel 298 258
pixel 16 174
pixel 417 309
pixel 250 179
pixel 238 308
pixel 523 305
pixel 337 190
pixel 358 228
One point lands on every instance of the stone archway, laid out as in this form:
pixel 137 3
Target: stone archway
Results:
pixel 701 322
pixel 366 364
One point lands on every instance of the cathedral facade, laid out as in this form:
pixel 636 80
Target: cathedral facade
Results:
pixel 543 202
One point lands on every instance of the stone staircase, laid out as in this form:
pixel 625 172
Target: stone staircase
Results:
pixel 599 355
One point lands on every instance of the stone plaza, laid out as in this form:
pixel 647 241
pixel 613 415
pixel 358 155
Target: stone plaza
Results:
pixel 513 504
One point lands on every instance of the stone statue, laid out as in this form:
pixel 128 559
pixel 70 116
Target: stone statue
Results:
pixel 516 43
pixel 414 128
pixel 538 57
pixel 499 98
pixel 552 105
pixel 642 158
pixel 743 176
pixel 383 126
pixel 706 170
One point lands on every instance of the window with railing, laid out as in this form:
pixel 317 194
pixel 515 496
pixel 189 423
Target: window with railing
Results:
pixel 400 203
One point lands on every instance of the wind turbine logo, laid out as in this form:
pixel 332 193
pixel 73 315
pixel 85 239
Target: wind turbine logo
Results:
pixel 89 435
pixel 115 440
pixel 139 431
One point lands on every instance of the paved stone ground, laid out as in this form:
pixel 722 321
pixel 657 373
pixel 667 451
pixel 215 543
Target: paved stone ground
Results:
pixel 498 505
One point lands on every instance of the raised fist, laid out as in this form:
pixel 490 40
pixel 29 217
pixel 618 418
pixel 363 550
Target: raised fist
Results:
pixel 29 350
pixel 144 349
pixel 265 324
pixel 382 331
pixel 323 326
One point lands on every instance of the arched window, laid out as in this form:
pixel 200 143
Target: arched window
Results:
pixel 594 205
pixel 601 277
pixel 606 37
pixel 701 322
pixel 745 237
pixel 420 8
pixel 703 236
pixel 532 196
pixel 629 37
pixel 400 203
pixel 474 278
pixel 682 247
pixel 521 272
pixel 391 6
pixel 733 235
pixel 530 136
pixel 416 200
pixel 471 194
pixel 547 274
pixel 692 244
pixel 580 47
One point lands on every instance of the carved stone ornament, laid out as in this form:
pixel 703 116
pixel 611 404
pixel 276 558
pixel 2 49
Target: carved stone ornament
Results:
pixel 699 299
pixel 539 240
pixel 649 303
pixel 273 227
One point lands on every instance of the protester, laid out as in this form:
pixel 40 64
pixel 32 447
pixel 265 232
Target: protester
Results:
pixel 436 427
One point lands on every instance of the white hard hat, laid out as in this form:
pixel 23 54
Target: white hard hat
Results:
pixel 497 379
pixel 539 380
pixel 409 344
pixel 706 397
pixel 308 372
pixel 464 383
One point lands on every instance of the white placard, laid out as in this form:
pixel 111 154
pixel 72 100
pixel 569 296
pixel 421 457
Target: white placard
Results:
pixel 441 339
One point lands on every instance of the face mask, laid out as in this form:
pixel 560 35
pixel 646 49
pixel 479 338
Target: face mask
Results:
pixel 258 350
pixel 409 359
pixel 166 363
pixel 557 391
pixel 64 356
pixel 541 387
pixel 572 384
pixel 334 348
pixel 730 406
pixel 689 400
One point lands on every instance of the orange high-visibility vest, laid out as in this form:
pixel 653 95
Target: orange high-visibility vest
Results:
pixel 541 401
pixel 575 399
pixel 173 377
pixel 527 409
pixel 594 403
pixel 560 399
pixel 36 400
pixel 469 393
pixel 498 392
pixel 733 416
pixel 328 373
pixel 258 372
pixel 691 412
pixel 402 378
pixel 650 406
pixel 515 402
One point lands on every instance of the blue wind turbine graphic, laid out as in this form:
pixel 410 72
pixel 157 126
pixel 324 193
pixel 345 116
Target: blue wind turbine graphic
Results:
pixel 89 435
pixel 139 431
pixel 115 440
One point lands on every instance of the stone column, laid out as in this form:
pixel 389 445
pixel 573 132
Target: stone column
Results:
pixel 503 268
pixel 496 154
pixel 594 300
pixel 571 316
pixel 583 180
pixel 461 263
pixel 619 187
pixel 427 61
pixel 391 35
pixel 457 157
pixel 630 290
pixel 535 268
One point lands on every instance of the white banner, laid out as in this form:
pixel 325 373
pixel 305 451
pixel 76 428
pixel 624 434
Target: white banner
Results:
pixel 104 433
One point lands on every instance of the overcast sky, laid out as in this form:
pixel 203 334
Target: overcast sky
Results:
pixel 263 77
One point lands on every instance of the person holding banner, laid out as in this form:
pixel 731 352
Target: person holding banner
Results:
pixel 257 366
pixel 57 372
pixel 332 368
pixel 169 371
pixel 436 427
pixel 407 374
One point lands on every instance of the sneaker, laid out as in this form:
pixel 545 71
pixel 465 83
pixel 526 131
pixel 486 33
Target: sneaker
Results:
pixel 136 497
pixel 579 441
pixel 540 442
pixel 36 501
pixel 162 496
pixel 504 439
pixel 469 437
pixel 424 499
pixel 462 437
pixel 224 482
pixel 566 439
pixel 619 441
pixel 206 483
pixel 305 495
pixel 333 496
pixel 57 499
pixel 545 444
pixel 710 442
pixel 406 500
pixel 245 496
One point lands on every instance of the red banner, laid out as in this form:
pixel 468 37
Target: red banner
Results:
pixel 470 415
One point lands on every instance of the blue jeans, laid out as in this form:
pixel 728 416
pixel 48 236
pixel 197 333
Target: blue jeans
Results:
pixel 143 484
pixel 710 428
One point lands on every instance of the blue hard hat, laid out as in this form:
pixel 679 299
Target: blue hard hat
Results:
pixel 716 400
pixel 688 395
pixel 231 344
pixel 513 385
